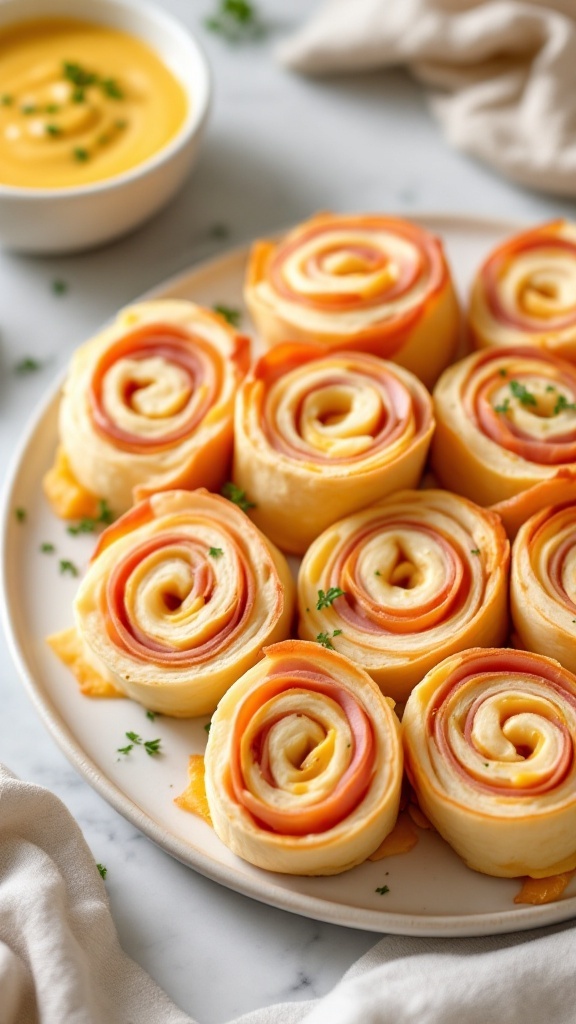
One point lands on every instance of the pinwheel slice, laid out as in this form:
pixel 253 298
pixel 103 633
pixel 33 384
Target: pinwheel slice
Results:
pixel 543 584
pixel 148 406
pixel 303 763
pixel 406 582
pixel 525 293
pixel 489 740
pixel 317 437
pixel 505 421
pixel 181 594
pixel 372 283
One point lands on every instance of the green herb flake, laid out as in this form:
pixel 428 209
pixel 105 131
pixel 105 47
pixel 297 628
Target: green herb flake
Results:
pixel 80 154
pixel 236 21
pixel 503 371
pixel 6 100
pixel 51 108
pixel 382 890
pixel 78 96
pixel 474 551
pixel 207 727
pixel 377 572
pixel 125 750
pixel 53 130
pixel 521 392
pixel 215 552
pixel 550 387
pixel 28 108
pixel 20 514
pixel 59 287
pixel 111 88
pixel 236 495
pixel 27 365
pixel 134 737
pixel 67 567
pixel 47 548
pixel 151 715
pixel 325 639
pixel 563 404
pixel 486 765
pixel 88 524
pixel 325 600
pixel 78 75
pixel 503 407
pixel 152 747
pixel 103 871
pixel 231 315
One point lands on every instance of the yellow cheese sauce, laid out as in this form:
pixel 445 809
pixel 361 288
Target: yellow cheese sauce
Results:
pixel 81 102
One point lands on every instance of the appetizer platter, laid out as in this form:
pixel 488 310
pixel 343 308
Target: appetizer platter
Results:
pixel 127 744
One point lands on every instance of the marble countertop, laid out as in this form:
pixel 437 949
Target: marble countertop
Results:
pixel 278 148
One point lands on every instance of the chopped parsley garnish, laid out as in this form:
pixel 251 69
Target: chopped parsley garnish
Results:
pixel 237 496
pixel 78 96
pixel 151 747
pixel 218 231
pixel 59 287
pixel 550 387
pixel 562 403
pixel 88 524
pixel 67 567
pixel 78 75
pixel 521 392
pixel 80 154
pixel 326 639
pixel 215 552
pixel 51 108
pixel 20 514
pixel 151 715
pixel 6 100
pixel 47 548
pixel 503 371
pixel 474 551
pixel 377 572
pixel 486 765
pixel 27 365
pixel 103 871
pixel 382 890
pixel 111 88
pixel 29 108
pixel 52 130
pixel 503 407
pixel 235 21
pixel 325 600
pixel 207 727
pixel 232 316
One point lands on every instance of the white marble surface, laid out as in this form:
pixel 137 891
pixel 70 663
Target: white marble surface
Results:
pixel 278 148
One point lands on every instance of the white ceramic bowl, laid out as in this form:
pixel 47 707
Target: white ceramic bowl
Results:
pixel 69 219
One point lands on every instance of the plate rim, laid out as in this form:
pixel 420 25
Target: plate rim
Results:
pixel 260 887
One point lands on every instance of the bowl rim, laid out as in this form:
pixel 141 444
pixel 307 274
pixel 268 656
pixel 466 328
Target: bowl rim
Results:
pixel 193 123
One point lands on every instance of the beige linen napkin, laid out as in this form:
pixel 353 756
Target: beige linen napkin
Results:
pixel 60 961
pixel 503 72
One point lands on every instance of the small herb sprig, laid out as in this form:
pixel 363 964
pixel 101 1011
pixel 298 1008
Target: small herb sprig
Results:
pixel 81 78
pixel 152 747
pixel 520 391
pixel 236 21
pixel 325 639
pixel 237 496
pixel 89 524
pixel 382 890
pixel 102 869
pixel 27 365
pixel 231 315
pixel 326 599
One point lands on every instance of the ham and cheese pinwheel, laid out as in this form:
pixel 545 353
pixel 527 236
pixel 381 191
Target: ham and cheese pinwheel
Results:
pixel 372 283
pixel 543 584
pixel 505 421
pixel 406 582
pixel 180 596
pixel 148 406
pixel 317 438
pixel 525 293
pixel 303 763
pixel 489 739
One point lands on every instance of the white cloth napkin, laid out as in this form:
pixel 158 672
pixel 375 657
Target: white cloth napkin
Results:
pixel 60 962
pixel 503 72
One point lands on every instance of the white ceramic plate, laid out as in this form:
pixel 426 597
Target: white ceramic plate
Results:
pixel 431 890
